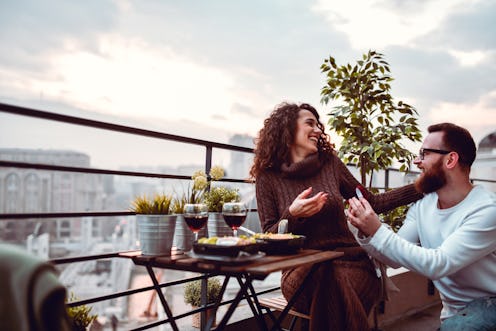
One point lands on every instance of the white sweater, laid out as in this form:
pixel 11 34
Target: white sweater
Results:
pixel 457 247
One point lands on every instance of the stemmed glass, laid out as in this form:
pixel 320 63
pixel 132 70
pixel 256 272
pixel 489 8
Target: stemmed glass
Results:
pixel 196 216
pixel 234 214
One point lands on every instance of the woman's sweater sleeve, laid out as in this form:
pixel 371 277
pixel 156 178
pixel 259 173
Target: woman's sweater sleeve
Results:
pixel 268 209
pixel 266 204
pixel 380 202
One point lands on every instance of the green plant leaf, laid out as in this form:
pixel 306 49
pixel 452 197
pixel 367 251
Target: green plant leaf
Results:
pixel 371 124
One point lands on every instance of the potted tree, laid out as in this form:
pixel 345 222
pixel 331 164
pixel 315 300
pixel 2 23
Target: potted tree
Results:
pixel 370 122
pixel 368 119
pixel 156 224
pixel 192 296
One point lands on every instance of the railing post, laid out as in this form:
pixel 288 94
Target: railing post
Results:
pixel 386 179
pixel 208 159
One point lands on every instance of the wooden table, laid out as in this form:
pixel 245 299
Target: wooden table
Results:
pixel 245 273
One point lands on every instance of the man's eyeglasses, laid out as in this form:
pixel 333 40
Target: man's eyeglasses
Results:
pixel 432 150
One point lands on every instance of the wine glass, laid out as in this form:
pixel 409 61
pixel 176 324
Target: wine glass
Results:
pixel 196 216
pixel 234 214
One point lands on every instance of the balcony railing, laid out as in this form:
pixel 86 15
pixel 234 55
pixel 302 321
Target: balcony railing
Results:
pixel 209 146
pixel 72 120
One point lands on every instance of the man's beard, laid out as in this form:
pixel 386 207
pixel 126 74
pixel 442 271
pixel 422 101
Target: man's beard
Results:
pixel 431 180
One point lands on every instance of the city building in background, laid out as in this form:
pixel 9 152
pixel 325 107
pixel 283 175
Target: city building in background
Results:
pixel 40 191
pixel 485 163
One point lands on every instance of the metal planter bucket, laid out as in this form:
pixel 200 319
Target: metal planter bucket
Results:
pixel 217 227
pixel 156 233
pixel 184 237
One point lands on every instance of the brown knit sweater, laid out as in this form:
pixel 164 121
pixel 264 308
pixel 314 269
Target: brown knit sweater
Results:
pixel 343 291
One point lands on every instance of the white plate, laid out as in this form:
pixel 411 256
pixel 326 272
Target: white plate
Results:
pixel 242 258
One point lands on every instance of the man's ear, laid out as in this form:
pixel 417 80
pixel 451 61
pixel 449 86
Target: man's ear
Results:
pixel 452 160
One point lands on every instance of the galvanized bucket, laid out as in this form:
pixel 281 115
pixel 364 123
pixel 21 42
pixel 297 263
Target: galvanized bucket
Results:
pixel 217 227
pixel 184 237
pixel 156 233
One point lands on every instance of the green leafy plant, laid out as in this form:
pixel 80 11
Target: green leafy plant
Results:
pixel 80 316
pixel 158 204
pixel 366 116
pixel 192 291
pixel 395 217
pixel 203 191
pixel 218 195
pixel 178 203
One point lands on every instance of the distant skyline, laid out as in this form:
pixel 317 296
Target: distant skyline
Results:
pixel 213 69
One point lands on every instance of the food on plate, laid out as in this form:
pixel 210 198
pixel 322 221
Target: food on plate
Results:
pixel 276 236
pixel 228 241
pixel 226 246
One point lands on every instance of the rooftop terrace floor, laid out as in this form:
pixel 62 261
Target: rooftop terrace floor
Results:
pixel 425 320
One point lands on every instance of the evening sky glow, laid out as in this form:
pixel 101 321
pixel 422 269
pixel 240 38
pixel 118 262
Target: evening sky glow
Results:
pixel 210 69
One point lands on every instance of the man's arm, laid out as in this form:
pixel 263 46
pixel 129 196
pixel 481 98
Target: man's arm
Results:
pixel 471 241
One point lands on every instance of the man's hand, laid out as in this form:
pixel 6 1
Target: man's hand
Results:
pixel 362 216
pixel 306 207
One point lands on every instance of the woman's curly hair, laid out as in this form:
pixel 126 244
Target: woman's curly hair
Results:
pixel 278 134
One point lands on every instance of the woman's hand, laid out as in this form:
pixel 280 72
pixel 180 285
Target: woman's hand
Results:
pixel 362 216
pixel 306 207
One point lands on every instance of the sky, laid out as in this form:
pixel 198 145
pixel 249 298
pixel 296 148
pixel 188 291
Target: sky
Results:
pixel 211 69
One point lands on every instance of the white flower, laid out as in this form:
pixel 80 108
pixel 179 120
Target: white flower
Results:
pixel 199 183
pixel 216 173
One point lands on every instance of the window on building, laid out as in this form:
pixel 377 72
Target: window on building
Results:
pixel 65 229
pixel 32 193
pixel 12 193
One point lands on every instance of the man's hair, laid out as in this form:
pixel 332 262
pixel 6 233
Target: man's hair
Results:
pixel 457 139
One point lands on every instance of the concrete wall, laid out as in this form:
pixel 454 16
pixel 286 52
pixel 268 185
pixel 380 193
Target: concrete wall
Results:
pixel 416 293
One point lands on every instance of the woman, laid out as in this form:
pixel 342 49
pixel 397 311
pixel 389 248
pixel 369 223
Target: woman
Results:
pixel 300 178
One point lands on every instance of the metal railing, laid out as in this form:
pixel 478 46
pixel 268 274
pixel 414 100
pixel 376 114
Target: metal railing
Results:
pixel 72 120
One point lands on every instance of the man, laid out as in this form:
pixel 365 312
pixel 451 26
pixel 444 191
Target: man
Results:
pixel 449 236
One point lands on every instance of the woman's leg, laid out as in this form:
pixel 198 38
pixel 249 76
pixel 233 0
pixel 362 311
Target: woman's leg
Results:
pixel 339 296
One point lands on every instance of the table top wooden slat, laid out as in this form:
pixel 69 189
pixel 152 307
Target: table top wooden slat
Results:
pixel 294 261
pixel 259 268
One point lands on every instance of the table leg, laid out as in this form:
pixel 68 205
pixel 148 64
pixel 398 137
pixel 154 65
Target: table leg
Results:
pixel 210 321
pixel 255 305
pixel 233 305
pixel 255 299
pixel 291 301
pixel 168 312
pixel 203 302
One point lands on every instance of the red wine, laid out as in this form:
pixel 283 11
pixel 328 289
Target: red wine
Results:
pixel 196 222
pixel 234 220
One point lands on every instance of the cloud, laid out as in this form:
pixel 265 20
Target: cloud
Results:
pixel 477 117
pixel 243 110
pixel 225 65
pixel 469 29
pixel 31 30
pixel 127 77
pixel 438 75
pixel 381 23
